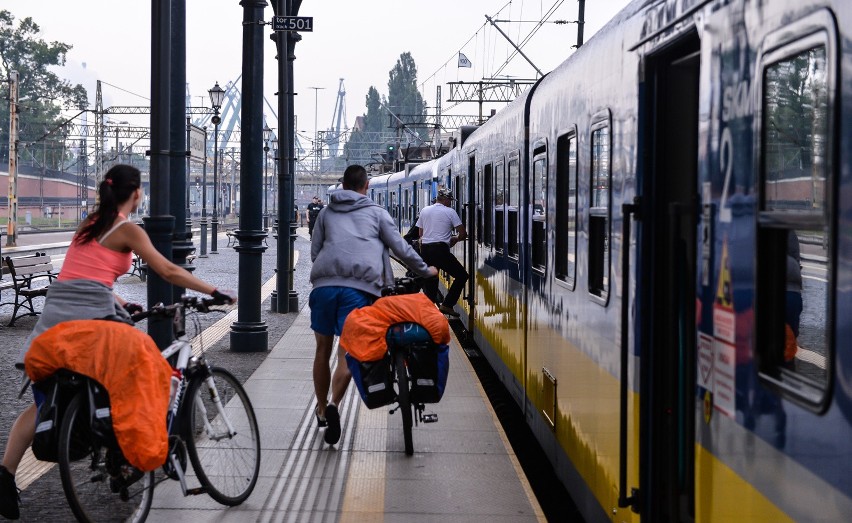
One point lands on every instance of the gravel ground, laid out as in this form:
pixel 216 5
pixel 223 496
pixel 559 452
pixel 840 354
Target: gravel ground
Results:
pixel 44 500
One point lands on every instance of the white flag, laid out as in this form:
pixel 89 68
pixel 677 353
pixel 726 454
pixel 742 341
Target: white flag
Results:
pixel 463 61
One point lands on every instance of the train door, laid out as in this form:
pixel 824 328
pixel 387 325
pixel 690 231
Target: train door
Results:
pixel 666 314
pixel 474 224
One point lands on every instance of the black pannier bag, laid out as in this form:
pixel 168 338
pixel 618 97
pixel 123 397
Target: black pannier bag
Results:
pixel 428 365
pixel 373 380
pixel 58 390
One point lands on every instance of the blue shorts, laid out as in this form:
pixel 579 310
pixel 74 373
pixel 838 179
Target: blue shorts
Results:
pixel 331 305
pixel 38 396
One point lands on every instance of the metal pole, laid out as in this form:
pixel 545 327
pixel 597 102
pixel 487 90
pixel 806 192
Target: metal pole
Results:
pixel 293 296
pixel 179 171
pixel 12 222
pixel 214 231
pixel 266 186
pixel 160 225
pixel 249 333
pixel 203 240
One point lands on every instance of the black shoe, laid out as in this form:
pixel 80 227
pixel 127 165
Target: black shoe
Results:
pixel 9 495
pixel 449 311
pixel 321 422
pixel 332 432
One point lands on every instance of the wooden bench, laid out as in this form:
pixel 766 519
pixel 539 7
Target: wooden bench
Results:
pixel 232 239
pixel 23 271
pixel 139 268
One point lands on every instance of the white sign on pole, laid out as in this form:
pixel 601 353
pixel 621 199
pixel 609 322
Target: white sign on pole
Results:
pixel 197 142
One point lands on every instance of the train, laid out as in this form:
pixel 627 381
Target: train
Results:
pixel 661 255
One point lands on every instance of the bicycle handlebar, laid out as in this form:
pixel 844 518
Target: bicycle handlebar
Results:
pixel 187 302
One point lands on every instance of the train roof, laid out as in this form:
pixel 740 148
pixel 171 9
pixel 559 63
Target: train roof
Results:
pixel 396 177
pixel 423 171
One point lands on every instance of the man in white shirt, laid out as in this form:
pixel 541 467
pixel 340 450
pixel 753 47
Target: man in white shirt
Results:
pixel 440 229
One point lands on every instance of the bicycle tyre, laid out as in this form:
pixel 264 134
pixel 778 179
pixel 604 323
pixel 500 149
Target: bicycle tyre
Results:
pixel 404 399
pixel 227 466
pixel 86 481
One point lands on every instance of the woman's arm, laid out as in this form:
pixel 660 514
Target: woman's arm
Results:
pixel 138 241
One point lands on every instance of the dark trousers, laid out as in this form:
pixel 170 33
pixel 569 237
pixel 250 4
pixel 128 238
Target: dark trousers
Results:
pixel 439 255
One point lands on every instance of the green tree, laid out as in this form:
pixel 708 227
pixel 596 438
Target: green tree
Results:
pixel 404 99
pixel 375 120
pixel 41 93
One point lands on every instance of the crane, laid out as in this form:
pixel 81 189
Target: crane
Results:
pixel 337 119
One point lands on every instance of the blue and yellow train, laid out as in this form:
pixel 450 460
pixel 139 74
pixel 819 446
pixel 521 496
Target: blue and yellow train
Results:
pixel 661 256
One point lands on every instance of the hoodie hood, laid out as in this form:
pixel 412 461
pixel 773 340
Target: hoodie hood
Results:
pixel 348 201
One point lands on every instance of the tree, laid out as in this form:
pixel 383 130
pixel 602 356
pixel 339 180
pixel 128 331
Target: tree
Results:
pixel 376 118
pixel 41 93
pixel 404 98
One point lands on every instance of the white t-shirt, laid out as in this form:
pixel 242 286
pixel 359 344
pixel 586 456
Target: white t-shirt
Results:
pixel 438 223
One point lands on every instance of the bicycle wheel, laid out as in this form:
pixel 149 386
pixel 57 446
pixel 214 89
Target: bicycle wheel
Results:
pixel 403 398
pixel 84 467
pixel 222 438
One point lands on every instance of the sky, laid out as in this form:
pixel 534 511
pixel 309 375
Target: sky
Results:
pixel 357 41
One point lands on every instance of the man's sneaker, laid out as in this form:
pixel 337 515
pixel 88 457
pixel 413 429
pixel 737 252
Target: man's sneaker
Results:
pixel 321 422
pixel 332 431
pixel 449 311
pixel 9 497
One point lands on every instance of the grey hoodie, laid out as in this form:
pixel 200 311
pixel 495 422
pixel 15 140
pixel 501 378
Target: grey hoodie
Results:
pixel 350 242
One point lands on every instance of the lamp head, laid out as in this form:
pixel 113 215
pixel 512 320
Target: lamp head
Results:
pixel 217 95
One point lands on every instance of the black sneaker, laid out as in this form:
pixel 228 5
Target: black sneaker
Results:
pixel 448 311
pixel 332 431
pixel 9 495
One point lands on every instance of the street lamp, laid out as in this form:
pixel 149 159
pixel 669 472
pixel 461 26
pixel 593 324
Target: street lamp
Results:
pixel 267 134
pixel 217 94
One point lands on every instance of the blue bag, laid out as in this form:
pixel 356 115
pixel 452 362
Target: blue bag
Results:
pixel 373 380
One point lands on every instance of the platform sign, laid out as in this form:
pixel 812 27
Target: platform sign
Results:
pixel 293 23
pixel 196 142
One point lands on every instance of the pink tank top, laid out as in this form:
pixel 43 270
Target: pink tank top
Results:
pixel 93 261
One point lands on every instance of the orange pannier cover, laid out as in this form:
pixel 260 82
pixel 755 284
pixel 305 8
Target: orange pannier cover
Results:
pixel 128 364
pixel 364 329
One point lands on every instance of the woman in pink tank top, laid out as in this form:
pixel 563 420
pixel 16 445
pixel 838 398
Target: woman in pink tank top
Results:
pixel 100 252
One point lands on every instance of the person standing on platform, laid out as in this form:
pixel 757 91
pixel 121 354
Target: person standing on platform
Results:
pixel 350 236
pixel 440 229
pixel 313 211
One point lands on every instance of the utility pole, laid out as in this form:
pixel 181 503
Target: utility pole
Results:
pixel 12 222
pixel 581 14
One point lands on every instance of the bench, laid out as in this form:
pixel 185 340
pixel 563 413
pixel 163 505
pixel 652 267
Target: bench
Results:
pixel 23 271
pixel 138 268
pixel 232 239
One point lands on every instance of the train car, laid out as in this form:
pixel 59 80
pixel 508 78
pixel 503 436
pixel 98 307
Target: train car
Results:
pixel 660 249
pixel 378 190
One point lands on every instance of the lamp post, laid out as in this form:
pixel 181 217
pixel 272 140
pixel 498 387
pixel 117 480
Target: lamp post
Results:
pixel 217 94
pixel 267 134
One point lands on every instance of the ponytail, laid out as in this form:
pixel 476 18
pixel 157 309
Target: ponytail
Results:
pixel 118 186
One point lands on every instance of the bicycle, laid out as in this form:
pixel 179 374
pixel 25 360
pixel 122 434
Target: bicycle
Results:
pixel 412 367
pixel 210 420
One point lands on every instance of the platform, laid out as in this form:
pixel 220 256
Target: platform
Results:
pixel 463 468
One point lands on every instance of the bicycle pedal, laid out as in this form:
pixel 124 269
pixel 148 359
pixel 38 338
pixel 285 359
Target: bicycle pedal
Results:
pixel 429 418
pixel 196 491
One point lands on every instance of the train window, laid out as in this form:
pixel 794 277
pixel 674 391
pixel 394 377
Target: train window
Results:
pixel 538 218
pixel 599 212
pixel 793 338
pixel 487 199
pixel 566 208
pixel 513 186
pixel 499 207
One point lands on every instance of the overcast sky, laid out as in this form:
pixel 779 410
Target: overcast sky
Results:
pixel 358 41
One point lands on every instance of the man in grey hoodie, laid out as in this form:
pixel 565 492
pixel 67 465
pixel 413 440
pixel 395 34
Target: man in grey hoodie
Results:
pixel 351 265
